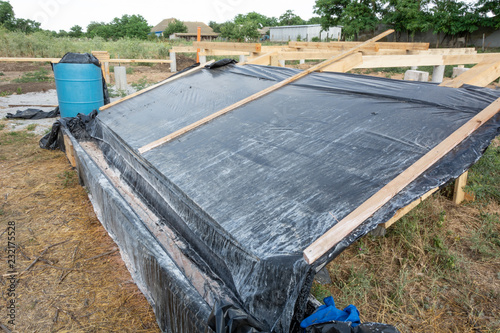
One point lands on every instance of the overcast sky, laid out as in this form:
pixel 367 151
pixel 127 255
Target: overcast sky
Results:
pixel 63 14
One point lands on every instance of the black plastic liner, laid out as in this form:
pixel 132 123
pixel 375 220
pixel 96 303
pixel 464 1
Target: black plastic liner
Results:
pixel 246 193
pixel 34 114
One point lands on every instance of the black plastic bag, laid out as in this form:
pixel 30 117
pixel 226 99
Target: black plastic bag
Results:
pixel 34 114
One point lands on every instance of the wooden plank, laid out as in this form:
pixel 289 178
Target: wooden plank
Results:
pixel 445 51
pixel 464 59
pixel 405 210
pixel 154 61
pixel 307 55
pixel 480 75
pixel 191 71
pixel 9 59
pixel 348 224
pixel 255 96
pixel 372 47
pixel 400 61
pixel 459 193
pixel 264 60
pixel 70 151
pixel 346 65
pixel 247 47
pixel 390 45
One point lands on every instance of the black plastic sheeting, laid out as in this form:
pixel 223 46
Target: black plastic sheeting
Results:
pixel 34 114
pixel 249 191
pixel 85 58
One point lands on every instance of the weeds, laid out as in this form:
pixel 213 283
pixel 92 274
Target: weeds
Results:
pixel 485 239
pixel 5 93
pixel 41 75
pixel 31 127
pixel 143 83
pixel 2 126
pixel 319 291
pixel 19 90
pixel 69 178
pixel 484 176
pixel 2 74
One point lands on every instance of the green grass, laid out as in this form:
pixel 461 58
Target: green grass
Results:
pixel 31 127
pixel 68 179
pixel 485 239
pixel 41 75
pixel 2 126
pixel 484 176
pixel 143 83
pixel 42 45
pixel 2 74
pixel 5 93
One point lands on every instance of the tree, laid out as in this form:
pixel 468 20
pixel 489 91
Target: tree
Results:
pixel 25 25
pixel 408 16
pixel 131 26
pixel 261 20
pixel 174 27
pixel 215 26
pixel 314 20
pixel 454 17
pixel 76 31
pixel 289 18
pixel 6 14
pixel 354 15
pixel 489 13
pixel 240 32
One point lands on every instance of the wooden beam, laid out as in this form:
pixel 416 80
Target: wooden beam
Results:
pixel 247 47
pixel 178 76
pixel 333 47
pixel 155 61
pixel 459 193
pixel 255 96
pixel 9 59
pixel 464 59
pixel 317 55
pixel 400 61
pixel 264 60
pixel 405 210
pixel 444 51
pixel 348 224
pixel 390 45
pixel 480 75
pixel 346 64
pixel 70 151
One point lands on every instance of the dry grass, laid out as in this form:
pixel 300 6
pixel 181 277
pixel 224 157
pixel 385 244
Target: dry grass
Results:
pixel 436 270
pixel 80 285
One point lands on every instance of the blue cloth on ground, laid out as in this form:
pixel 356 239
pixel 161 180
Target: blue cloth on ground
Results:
pixel 328 312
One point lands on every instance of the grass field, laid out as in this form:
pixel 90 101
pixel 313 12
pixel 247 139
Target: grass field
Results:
pixel 437 269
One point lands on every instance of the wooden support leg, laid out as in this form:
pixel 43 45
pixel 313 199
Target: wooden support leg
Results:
pixel 107 76
pixel 70 153
pixel 459 193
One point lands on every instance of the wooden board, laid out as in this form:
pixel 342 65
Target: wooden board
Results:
pixel 405 210
pixel 261 93
pixel 390 45
pixel 9 59
pixel 263 60
pixel 153 61
pixel 348 224
pixel 191 71
pixel 247 47
pixel 70 151
pixel 334 47
pixel 346 65
pixel 480 75
pixel 459 193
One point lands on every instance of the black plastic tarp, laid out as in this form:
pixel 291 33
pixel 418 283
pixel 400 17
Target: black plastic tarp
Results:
pixel 249 191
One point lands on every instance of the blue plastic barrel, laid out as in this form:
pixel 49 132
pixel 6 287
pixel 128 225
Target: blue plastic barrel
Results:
pixel 79 88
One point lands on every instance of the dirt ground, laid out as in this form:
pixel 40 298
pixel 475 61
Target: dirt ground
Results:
pixel 69 276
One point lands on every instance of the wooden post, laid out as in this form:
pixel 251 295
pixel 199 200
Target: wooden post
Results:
pixel 459 193
pixel 198 38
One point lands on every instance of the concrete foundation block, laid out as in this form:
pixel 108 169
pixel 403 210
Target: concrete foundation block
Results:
pixel 121 78
pixel 458 71
pixel 243 58
pixel 173 64
pixel 412 75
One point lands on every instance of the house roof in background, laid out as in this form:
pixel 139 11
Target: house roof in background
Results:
pixel 192 27
pixel 162 25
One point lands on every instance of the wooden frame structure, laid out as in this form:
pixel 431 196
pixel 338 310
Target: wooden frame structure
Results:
pixel 342 58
